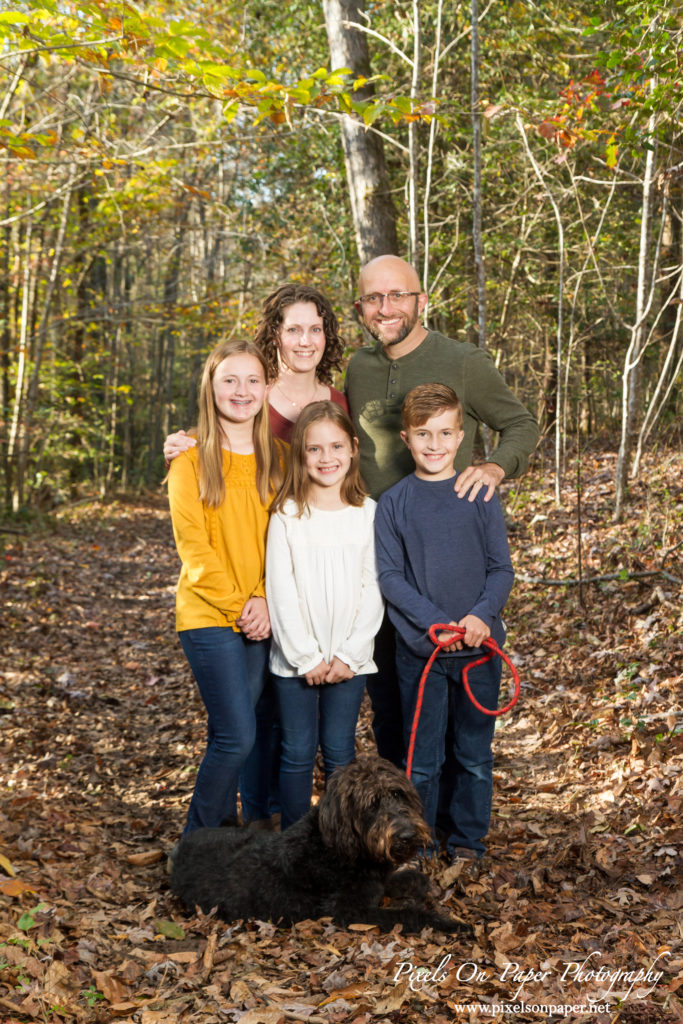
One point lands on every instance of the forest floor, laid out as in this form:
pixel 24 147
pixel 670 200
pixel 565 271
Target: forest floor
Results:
pixel 577 907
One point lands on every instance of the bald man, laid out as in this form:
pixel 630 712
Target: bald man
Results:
pixel 378 378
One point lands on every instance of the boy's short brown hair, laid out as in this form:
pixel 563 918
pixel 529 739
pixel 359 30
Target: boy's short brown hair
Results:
pixel 427 400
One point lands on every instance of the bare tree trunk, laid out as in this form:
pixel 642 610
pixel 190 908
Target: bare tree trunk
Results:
pixel 546 412
pixel 665 384
pixel 476 192
pixel 631 375
pixel 372 208
pixel 477 239
pixel 113 389
pixel 5 320
pixel 413 145
pixel 430 158
pixel 560 307
pixel 162 374
pixel 32 393
pixel 15 486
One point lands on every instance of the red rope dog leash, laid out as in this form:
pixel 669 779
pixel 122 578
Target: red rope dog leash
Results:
pixel 457 633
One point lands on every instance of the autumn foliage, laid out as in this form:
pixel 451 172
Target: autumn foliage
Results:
pixel 101 732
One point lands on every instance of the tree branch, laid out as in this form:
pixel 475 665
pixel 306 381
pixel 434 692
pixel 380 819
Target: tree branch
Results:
pixel 604 578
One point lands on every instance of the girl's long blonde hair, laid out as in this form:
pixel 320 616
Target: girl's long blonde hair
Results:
pixel 297 482
pixel 210 437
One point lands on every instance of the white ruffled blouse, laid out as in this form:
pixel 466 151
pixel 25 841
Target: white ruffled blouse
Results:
pixel 322 590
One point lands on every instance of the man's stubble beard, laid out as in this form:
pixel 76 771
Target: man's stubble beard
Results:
pixel 374 330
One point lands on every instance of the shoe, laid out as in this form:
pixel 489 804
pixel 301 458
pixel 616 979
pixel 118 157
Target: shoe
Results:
pixel 463 862
pixel 462 853
pixel 261 825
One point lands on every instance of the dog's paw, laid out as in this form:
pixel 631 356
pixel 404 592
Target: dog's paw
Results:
pixel 408 882
pixel 452 925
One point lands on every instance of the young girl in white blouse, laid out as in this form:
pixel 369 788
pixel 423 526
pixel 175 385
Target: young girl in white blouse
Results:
pixel 323 599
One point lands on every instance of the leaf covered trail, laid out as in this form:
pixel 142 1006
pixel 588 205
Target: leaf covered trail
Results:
pixel 101 733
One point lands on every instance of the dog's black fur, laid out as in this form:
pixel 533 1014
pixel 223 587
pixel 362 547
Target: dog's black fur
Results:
pixel 338 861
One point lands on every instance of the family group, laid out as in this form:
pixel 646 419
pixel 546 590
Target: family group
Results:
pixel 300 514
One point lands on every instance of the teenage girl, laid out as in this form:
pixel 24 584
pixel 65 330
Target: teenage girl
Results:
pixel 219 493
pixel 324 602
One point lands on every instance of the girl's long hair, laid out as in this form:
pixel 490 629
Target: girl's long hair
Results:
pixel 297 482
pixel 268 329
pixel 210 437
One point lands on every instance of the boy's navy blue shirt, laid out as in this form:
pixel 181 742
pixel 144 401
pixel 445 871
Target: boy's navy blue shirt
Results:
pixel 439 558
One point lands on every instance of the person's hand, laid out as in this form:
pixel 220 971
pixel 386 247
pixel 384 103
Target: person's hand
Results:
pixel 456 645
pixel 476 631
pixel 474 478
pixel 316 677
pixel 338 671
pixel 254 620
pixel 176 444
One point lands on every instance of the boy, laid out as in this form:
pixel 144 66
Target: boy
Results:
pixel 441 559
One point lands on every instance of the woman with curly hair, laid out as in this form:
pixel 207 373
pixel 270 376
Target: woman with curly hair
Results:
pixel 299 337
pixel 298 334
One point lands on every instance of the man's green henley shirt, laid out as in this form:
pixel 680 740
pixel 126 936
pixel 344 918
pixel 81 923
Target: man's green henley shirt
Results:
pixel 376 385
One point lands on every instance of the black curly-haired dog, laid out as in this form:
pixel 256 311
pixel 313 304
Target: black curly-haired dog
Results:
pixel 340 860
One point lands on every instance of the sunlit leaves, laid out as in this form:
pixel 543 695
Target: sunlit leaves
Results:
pixel 191 57
pixel 13 18
pixel 611 153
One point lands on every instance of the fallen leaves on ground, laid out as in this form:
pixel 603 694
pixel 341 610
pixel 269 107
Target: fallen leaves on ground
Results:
pixel 577 907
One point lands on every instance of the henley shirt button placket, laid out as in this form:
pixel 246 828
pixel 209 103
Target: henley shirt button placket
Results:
pixel 394 379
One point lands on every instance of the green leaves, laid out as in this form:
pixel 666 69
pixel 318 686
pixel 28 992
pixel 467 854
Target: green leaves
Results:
pixel 190 57
pixel 27 921
pixel 169 929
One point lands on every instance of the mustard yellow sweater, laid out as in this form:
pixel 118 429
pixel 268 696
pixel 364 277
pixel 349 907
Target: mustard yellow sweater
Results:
pixel 222 550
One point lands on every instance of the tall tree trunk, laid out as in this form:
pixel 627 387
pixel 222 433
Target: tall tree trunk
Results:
pixel 631 376
pixel 413 146
pixel 14 487
pixel 5 321
pixel 476 192
pixel 672 360
pixel 477 200
pixel 162 373
pixel 41 336
pixel 559 346
pixel 426 227
pixel 374 218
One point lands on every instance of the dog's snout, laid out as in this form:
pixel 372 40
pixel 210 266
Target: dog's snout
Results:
pixel 406 833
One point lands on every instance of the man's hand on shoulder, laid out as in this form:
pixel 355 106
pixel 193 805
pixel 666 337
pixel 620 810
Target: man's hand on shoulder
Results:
pixel 474 478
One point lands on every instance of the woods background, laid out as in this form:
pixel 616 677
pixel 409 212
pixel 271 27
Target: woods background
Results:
pixel 166 165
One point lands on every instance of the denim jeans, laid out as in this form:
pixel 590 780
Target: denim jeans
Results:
pixel 310 715
pixel 259 779
pixel 385 697
pixel 446 709
pixel 230 672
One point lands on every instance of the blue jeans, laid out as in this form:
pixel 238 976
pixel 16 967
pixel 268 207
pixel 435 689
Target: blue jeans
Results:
pixel 446 708
pixel 310 714
pixel 230 672
pixel 259 778
pixel 385 697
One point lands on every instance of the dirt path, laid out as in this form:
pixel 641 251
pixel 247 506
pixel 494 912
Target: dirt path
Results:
pixel 101 732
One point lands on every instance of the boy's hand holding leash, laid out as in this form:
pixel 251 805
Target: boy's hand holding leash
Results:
pixel 476 632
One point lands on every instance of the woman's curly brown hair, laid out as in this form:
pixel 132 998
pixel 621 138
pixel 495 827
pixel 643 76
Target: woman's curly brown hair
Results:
pixel 267 332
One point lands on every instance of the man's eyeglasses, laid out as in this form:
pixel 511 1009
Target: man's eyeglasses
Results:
pixel 375 299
